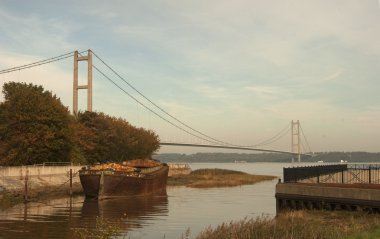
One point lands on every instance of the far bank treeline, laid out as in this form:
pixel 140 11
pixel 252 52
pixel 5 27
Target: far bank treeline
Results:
pixel 35 127
pixel 327 157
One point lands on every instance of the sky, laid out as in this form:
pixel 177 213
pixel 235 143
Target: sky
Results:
pixel 239 71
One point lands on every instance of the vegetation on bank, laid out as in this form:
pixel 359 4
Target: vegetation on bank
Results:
pixel 288 225
pixel 300 225
pixel 205 178
pixel 35 127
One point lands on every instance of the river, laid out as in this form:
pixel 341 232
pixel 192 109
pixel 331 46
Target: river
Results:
pixel 149 217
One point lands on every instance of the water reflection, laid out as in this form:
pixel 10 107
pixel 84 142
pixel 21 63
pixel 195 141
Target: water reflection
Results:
pixel 127 213
pixel 60 218
pixel 153 217
pixel 40 220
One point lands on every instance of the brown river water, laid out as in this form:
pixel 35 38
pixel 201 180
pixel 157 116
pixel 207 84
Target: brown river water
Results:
pixel 166 216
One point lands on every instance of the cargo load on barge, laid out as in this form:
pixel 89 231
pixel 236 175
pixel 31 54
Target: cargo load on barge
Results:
pixel 129 178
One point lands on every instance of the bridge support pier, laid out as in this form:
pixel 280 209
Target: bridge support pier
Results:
pixel 77 87
pixel 296 144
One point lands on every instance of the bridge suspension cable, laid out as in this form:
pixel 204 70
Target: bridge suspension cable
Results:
pixel 273 139
pixel 149 109
pixel 304 136
pixel 183 126
pixel 38 63
pixel 278 136
pixel 70 54
pixel 160 108
pixel 203 135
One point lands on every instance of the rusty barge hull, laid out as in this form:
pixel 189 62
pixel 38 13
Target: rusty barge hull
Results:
pixel 113 184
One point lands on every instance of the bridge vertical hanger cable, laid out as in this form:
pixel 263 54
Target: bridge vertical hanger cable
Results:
pixel 304 136
pixel 303 147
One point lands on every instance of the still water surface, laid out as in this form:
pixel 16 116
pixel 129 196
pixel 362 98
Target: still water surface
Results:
pixel 149 217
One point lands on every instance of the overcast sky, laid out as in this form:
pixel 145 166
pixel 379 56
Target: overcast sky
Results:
pixel 239 71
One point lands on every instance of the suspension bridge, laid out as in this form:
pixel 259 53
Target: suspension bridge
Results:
pixel 141 99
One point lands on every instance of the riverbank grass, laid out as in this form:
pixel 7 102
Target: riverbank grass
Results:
pixel 206 178
pixel 372 234
pixel 300 225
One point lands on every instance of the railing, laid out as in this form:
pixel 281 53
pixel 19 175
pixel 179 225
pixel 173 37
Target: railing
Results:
pixel 46 164
pixel 342 174
pixel 364 173
pixel 297 174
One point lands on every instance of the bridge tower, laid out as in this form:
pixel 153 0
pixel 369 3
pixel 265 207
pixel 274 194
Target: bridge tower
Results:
pixel 77 87
pixel 296 143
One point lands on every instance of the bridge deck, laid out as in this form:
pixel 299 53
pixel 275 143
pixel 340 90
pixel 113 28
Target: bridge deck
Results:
pixel 229 147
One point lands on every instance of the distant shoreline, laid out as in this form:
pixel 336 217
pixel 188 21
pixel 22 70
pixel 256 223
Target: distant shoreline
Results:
pixel 326 157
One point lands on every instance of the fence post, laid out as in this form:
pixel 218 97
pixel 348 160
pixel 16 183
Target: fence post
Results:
pixel 369 174
pixel 26 186
pixel 317 174
pixel 71 181
pixel 342 176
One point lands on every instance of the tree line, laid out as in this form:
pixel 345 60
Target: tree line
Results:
pixel 35 127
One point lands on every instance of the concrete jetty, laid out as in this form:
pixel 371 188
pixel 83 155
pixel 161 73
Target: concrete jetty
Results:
pixel 354 188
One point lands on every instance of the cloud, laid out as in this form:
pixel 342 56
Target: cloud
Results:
pixel 267 93
pixel 249 64
pixel 211 92
pixel 35 33
pixel 331 77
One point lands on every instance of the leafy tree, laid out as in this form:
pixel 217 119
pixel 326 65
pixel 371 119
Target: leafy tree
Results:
pixel 82 138
pixel 34 126
pixel 111 139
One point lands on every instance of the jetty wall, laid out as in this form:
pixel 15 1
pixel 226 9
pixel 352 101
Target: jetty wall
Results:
pixel 38 178
pixel 330 187
pixel 327 197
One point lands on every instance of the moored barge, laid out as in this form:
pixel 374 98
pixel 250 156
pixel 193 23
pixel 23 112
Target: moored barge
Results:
pixel 130 178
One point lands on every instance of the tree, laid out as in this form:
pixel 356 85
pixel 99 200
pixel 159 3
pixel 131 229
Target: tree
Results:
pixel 34 126
pixel 111 139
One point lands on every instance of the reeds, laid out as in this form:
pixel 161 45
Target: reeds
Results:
pixel 299 225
